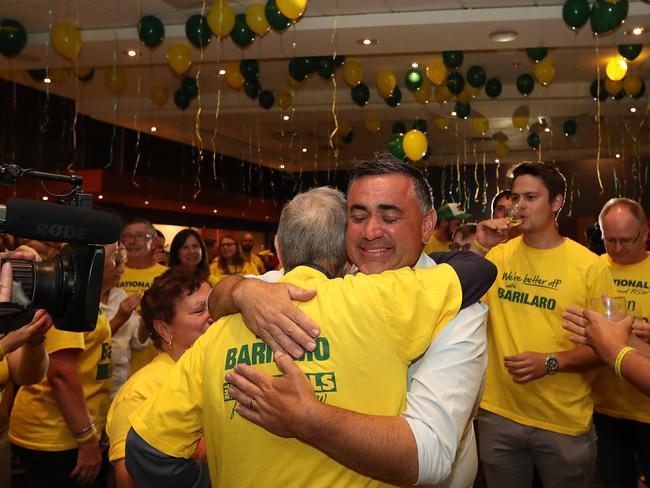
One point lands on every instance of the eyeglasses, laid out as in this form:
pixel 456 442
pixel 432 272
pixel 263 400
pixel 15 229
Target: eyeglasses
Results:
pixel 454 246
pixel 228 244
pixel 138 236
pixel 623 241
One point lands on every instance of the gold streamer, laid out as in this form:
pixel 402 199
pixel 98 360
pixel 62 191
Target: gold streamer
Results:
pixel 598 88
pixel 335 148
pixel 476 175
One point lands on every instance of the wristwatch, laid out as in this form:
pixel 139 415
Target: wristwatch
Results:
pixel 551 364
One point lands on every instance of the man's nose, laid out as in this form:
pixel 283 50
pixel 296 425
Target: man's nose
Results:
pixel 373 229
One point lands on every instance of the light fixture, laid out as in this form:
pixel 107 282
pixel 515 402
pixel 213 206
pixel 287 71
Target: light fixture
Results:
pixel 616 69
pixel 47 80
pixel 183 207
pixel 504 36
pixel 453 114
pixel 222 71
pixel 285 117
pixel 267 217
pixel 497 160
pixel 547 129
pixel 617 156
pixel 132 53
pixel 367 42
pixel 214 210
pixel 154 128
pixel 414 65
pixel 146 202
pixel 282 166
pixel 45 198
pixel 636 31
pixel 304 149
pixel 633 109
pixel 101 197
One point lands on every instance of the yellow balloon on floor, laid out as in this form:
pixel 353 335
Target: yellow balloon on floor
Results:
pixel 115 79
pixel 481 125
pixel 613 87
pixel 373 124
pixel 632 84
pixel 442 94
pixel 292 9
pixel 221 19
pixel 256 19
pixel 436 71
pixel 502 150
pixel 233 76
pixel 66 40
pixel 386 82
pixel 415 144
pixel 441 123
pixel 352 72
pixel 423 94
pixel 159 95
pixel 545 71
pixel 283 99
pixel 179 58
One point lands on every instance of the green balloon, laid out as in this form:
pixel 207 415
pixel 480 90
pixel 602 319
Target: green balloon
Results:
pixel 570 127
pixel 455 82
pixel 452 59
pixel 394 99
pixel 533 140
pixel 197 30
pixel 493 87
pixel 339 59
pixel 348 138
pixel 537 53
pixel 593 89
pixel 151 31
pixel 189 86
pixel 413 79
pixel 395 146
pixel 299 68
pixel 525 84
pixel 606 17
pixel 420 125
pixel 87 77
pixel 13 37
pixel 575 13
pixel 252 88
pixel 360 94
pixel 630 51
pixel 275 18
pixel 462 110
pixel 37 74
pixel 266 99
pixel 476 76
pixel 399 128
pixel 249 69
pixel 326 67
pixel 181 99
pixel 241 34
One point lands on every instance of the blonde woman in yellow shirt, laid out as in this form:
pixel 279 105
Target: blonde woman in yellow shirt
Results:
pixel 230 261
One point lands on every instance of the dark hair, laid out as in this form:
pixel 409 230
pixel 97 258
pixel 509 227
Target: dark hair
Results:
pixel 160 300
pixel 238 258
pixel 551 177
pixel 179 240
pixel 386 164
pixel 497 197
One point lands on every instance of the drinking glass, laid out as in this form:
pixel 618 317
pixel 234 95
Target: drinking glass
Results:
pixel 512 215
pixel 612 308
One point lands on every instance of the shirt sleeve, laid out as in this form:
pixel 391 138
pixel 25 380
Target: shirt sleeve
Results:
pixel 172 420
pixel 443 397
pixel 56 340
pixel 118 425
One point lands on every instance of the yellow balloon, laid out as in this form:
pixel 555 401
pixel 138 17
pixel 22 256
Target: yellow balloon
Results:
pixel 66 40
pixel 423 94
pixel 159 95
pixel 632 84
pixel 520 117
pixel 481 125
pixel 613 87
pixel 233 76
pixel 295 84
pixel 442 94
pixel 256 19
pixel 283 98
pixel 352 72
pixel 292 9
pixel 442 123
pixel 502 150
pixel 221 19
pixel 58 75
pixel 115 79
pixel 83 71
pixel 179 58
pixel 344 128
pixel 436 71
pixel 373 124
pixel 386 82
pixel 415 144
pixel 616 69
pixel 545 71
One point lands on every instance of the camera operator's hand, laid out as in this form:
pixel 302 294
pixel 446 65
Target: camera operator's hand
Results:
pixel 6 283
pixel 89 462
pixel 32 334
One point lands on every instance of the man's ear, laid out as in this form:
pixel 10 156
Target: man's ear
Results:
pixel 557 203
pixel 277 250
pixel 428 224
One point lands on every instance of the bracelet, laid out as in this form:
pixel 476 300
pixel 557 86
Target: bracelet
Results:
pixel 619 359
pixel 480 246
pixel 86 437
pixel 90 427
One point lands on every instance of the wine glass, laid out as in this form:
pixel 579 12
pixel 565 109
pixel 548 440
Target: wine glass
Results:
pixel 612 308
pixel 512 215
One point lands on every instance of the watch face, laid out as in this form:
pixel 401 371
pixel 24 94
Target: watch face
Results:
pixel 551 365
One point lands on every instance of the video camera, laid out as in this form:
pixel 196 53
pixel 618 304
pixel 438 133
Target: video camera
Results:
pixel 69 286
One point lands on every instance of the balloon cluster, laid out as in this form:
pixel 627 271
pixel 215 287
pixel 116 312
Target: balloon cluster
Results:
pixel 412 144
pixel 186 92
pixel 619 81
pixel 605 16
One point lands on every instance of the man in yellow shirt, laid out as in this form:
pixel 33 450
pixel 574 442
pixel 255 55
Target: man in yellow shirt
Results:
pixel 247 245
pixel 622 412
pixel 449 217
pixel 537 408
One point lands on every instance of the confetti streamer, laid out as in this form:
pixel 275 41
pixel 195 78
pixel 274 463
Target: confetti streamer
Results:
pixel 598 88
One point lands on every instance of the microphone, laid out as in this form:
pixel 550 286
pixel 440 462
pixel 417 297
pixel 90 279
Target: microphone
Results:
pixel 58 223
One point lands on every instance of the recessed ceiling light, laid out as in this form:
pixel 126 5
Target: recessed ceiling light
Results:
pixel 154 128
pixel 267 217
pixel 504 36
pixel 304 149
pixel 547 129
pixel 132 53
pixel 222 72
pixel 101 197
pixel 618 156
pixel 282 166
pixel 146 202
pixel 45 199
pixel 367 42
pixel 285 117
pixel 497 160
pixel 453 114
pixel 214 210
pixel 414 65
pixel 47 80
pixel 633 109
pixel 636 31
pixel 183 207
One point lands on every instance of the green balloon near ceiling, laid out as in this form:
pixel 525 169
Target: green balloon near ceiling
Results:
pixel 37 74
pixel 326 67
pixel 533 140
pixel 395 146
pixel 181 99
pixel 420 125
pixel 455 82
pixel 266 99
pixel 399 128
pixel 360 94
pixel 348 138
pixel 249 69
pixel 252 88
pixel 151 31
pixel 575 13
pixel 570 127
pixel 630 51
pixel 13 37
pixel 413 79
pixel 452 59
pixel 537 53
pixel 189 86
pixel 395 98
pixel 593 90
pixel 606 17
pixel 275 18
pixel 525 84
pixel 241 34
pixel 462 110
pixel 476 76
pixel 197 31
pixel 493 87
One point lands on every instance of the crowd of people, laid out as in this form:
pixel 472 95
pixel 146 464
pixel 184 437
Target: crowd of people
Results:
pixel 361 359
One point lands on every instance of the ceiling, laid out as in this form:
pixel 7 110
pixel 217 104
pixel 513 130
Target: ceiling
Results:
pixel 406 31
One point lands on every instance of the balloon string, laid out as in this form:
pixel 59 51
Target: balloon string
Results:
pixel 197 121
pixel 136 122
pixel 216 112
pixel 476 192
pixel 497 174
pixel 485 182
pixel 598 88
pixel 334 147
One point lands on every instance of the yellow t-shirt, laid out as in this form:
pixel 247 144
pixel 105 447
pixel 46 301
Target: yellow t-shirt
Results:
pixel 532 289
pixel 435 245
pixel 4 412
pixel 216 273
pixel 612 395
pixel 36 422
pixel 136 390
pixel 257 262
pixel 371 328
pixel 140 280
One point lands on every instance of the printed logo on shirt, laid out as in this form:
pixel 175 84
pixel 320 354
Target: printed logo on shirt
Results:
pixel 135 284
pixel 531 280
pixel 527 299
pixel 260 353
pixel 104 370
pixel 632 287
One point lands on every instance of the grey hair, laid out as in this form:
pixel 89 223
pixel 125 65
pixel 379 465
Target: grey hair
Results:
pixel 312 230
pixel 634 208
pixel 385 164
